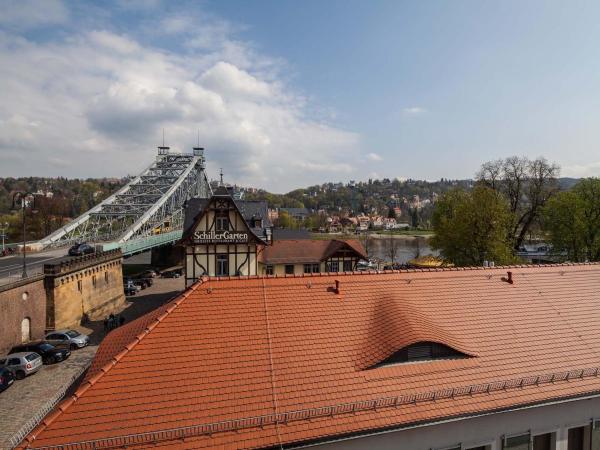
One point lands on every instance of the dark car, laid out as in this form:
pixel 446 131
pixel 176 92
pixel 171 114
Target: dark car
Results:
pixel 148 274
pixel 49 353
pixel 143 281
pixel 129 287
pixel 81 249
pixel 6 378
pixel 171 274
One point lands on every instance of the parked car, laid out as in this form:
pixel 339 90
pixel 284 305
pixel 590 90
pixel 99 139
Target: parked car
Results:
pixel 149 274
pixel 22 364
pixel 7 377
pixel 130 282
pixel 143 281
pixel 172 274
pixel 49 353
pixel 70 339
pixel 130 288
pixel 81 249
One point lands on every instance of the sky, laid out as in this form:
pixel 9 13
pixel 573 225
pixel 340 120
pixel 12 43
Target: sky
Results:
pixel 285 94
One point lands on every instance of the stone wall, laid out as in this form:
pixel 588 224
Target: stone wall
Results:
pixel 90 285
pixel 22 300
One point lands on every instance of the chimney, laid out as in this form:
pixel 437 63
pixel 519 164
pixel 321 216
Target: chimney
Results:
pixel 508 278
pixel 337 286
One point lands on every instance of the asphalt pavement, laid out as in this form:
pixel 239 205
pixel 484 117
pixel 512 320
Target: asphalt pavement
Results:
pixel 12 266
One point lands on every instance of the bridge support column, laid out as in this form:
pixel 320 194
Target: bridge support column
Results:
pixel 167 256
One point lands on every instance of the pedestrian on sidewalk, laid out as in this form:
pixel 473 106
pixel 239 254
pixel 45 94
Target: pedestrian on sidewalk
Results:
pixel 105 323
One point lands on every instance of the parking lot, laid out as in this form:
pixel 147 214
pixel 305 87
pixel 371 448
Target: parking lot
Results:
pixel 25 399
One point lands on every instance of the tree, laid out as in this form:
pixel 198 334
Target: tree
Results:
pixel 472 227
pixel 391 213
pixel 526 184
pixel 392 248
pixel 572 220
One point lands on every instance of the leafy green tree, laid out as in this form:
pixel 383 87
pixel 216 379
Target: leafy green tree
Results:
pixel 572 221
pixel 472 227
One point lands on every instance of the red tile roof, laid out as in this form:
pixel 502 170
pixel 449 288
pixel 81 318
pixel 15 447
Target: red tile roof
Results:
pixel 308 250
pixel 252 362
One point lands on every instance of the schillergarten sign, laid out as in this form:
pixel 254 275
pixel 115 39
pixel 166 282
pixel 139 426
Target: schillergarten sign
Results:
pixel 222 237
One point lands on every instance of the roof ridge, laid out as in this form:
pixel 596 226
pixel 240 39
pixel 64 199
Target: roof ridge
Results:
pixel 66 403
pixel 390 271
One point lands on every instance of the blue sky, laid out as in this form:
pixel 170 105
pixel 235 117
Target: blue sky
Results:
pixel 287 94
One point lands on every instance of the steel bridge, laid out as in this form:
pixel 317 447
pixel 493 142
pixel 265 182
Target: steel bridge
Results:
pixel 145 213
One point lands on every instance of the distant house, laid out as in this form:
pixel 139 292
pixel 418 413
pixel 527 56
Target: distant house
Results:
pixel 363 222
pixel 299 214
pixel 289 257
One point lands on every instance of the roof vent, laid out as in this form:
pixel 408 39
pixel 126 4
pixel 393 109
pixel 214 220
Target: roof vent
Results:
pixel 508 278
pixel 335 289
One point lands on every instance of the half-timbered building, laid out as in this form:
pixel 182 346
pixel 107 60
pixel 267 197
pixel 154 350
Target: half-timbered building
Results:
pixel 223 236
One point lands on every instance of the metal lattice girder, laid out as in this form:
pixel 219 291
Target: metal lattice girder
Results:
pixel 148 205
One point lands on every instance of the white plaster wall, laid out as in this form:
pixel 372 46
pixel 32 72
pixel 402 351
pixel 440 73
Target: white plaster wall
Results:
pixel 485 430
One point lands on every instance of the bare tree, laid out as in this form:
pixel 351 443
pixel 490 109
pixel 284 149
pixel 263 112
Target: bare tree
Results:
pixel 527 185
pixel 392 248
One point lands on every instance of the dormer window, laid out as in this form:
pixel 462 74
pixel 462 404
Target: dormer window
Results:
pixel 421 351
pixel 222 221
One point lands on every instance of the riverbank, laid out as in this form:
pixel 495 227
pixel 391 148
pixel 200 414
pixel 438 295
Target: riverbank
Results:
pixel 406 235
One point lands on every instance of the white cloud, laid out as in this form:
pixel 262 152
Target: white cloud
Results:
pixel 95 104
pixel 414 111
pixel 27 14
pixel 374 157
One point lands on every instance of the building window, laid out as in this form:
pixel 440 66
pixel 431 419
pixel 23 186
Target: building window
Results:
pixel 544 441
pixel 94 280
pixel 80 286
pixel 289 269
pixel 222 265
pixel 311 268
pixel 106 277
pixel 516 442
pixel 222 221
pixel 576 439
pixel 269 269
pixel 348 266
pixel 26 330
pixel 334 266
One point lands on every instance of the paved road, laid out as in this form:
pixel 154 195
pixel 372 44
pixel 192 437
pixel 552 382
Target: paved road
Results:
pixel 12 266
pixel 25 398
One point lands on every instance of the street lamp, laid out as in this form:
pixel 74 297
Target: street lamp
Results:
pixel 3 228
pixel 23 200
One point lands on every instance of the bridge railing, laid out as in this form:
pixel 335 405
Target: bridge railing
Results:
pixel 146 243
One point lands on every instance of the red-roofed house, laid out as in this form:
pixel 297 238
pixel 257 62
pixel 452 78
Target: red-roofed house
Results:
pixel 482 358
pixel 289 256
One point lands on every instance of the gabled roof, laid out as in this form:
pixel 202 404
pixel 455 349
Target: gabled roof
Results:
pixel 249 209
pixel 255 362
pixel 308 251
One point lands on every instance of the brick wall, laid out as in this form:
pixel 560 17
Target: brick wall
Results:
pixel 91 285
pixel 21 300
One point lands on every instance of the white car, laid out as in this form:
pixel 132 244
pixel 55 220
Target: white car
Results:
pixel 67 339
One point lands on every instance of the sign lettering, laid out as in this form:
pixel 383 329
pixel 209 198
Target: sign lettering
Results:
pixel 222 237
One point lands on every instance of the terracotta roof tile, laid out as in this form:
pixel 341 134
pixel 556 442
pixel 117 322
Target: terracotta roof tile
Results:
pixel 308 250
pixel 232 355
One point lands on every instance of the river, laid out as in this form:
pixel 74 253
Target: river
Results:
pixel 406 247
